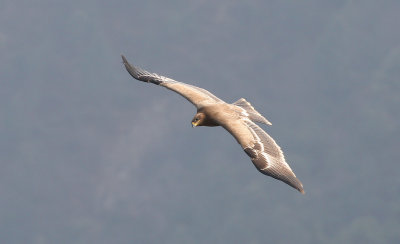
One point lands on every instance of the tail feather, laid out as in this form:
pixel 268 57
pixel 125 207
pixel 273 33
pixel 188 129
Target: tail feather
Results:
pixel 253 114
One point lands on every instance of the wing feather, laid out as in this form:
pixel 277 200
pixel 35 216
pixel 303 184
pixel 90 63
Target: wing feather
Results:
pixel 263 151
pixel 196 95
pixel 249 111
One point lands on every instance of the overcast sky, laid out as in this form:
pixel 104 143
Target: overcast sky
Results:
pixel 89 155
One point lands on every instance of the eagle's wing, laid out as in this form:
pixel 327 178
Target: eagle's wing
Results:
pixel 196 95
pixel 263 151
pixel 265 154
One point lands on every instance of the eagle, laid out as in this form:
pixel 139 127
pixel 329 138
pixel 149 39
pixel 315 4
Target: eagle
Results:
pixel 238 118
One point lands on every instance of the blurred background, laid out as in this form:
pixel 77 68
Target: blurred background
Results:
pixel 89 155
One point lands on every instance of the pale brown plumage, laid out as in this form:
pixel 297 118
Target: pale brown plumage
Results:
pixel 237 118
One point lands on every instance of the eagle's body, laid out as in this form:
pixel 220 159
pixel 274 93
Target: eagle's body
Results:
pixel 237 118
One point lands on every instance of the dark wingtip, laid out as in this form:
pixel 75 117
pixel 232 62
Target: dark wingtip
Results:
pixel 126 63
pixel 297 185
pixel 140 74
pixel 293 182
pixel 129 68
pixel 124 59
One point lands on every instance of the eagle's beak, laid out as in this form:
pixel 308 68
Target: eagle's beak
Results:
pixel 194 124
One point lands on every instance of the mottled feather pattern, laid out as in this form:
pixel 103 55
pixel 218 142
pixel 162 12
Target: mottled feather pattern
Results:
pixel 268 158
pixel 193 93
pixel 238 118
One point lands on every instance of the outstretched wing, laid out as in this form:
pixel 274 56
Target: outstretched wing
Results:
pixel 196 95
pixel 263 151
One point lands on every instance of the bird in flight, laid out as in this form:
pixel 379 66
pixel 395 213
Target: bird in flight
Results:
pixel 238 118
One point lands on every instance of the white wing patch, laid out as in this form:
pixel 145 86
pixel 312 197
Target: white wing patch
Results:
pixel 244 112
pixel 267 156
pixel 260 150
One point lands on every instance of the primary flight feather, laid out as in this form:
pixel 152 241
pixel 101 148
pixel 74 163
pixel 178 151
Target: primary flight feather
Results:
pixel 237 118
